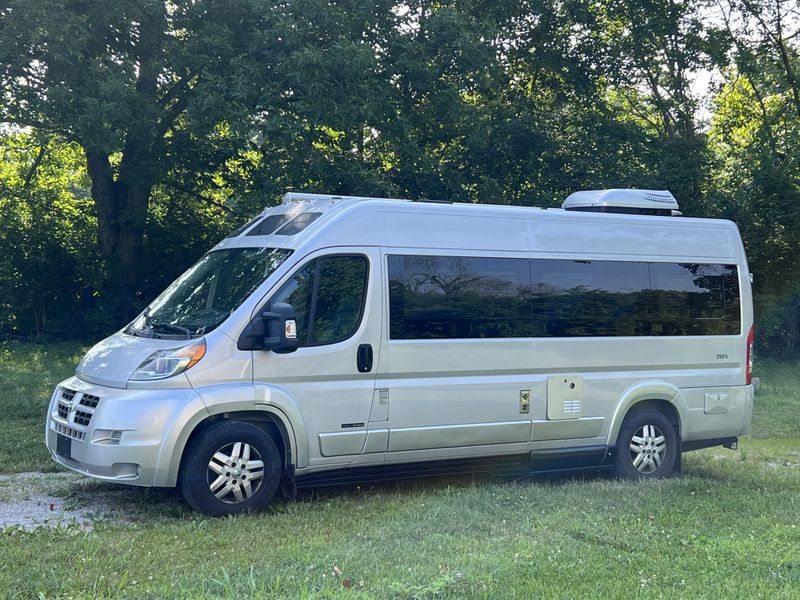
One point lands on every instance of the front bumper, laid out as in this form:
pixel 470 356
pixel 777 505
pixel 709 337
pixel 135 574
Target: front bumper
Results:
pixel 115 434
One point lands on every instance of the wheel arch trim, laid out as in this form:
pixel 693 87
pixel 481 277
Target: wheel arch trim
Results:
pixel 225 402
pixel 646 391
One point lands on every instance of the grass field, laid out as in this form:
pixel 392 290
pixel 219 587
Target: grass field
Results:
pixel 729 528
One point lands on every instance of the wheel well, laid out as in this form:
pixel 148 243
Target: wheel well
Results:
pixel 266 421
pixel 663 406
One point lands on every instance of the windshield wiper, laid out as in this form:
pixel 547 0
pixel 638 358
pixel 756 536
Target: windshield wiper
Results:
pixel 171 327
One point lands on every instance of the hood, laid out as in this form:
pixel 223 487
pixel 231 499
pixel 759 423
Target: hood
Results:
pixel 113 361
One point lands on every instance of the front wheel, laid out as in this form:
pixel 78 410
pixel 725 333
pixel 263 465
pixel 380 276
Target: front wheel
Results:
pixel 647 447
pixel 229 468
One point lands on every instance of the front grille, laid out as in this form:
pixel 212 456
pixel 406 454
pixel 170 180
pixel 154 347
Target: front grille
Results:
pixel 89 400
pixel 82 418
pixel 67 402
pixel 69 431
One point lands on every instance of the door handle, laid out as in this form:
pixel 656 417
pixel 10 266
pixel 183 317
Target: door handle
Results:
pixel 364 358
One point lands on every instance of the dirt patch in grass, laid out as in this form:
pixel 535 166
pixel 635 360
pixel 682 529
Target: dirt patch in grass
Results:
pixel 32 500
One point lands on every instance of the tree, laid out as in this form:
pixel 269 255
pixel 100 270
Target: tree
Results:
pixel 47 258
pixel 138 85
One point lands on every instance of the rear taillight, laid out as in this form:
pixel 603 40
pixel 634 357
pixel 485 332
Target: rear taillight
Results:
pixel 748 369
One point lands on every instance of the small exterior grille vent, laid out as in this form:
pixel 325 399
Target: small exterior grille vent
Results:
pixel 82 418
pixel 69 431
pixel 662 198
pixel 89 400
pixel 70 399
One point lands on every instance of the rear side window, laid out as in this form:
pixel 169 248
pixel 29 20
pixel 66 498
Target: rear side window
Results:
pixel 328 297
pixel 615 298
pixel 694 299
pixel 458 297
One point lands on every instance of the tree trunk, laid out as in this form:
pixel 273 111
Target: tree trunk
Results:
pixel 121 216
pixel 122 198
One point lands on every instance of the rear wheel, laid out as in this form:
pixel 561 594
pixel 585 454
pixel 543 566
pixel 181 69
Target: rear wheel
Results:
pixel 647 446
pixel 229 468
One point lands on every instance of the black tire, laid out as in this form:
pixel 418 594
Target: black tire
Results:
pixel 640 452
pixel 197 477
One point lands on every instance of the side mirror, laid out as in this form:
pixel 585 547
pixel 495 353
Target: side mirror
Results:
pixel 274 329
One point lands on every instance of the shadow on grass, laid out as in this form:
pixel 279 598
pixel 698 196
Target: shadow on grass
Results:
pixel 122 503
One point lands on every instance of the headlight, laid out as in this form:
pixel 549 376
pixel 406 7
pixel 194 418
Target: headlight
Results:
pixel 166 363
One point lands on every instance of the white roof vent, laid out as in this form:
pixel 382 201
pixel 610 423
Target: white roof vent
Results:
pixel 633 202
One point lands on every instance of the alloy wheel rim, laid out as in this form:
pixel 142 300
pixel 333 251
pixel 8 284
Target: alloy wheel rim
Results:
pixel 235 472
pixel 648 448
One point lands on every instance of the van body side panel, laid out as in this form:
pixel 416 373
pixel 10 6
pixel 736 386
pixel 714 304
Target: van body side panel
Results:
pixel 632 238
pixel 455 392
pixel 714 412
pixel 454 436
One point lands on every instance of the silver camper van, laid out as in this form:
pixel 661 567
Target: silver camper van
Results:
pixel 335 339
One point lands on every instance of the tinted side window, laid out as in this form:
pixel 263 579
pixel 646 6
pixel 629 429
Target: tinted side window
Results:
pixel 695 299
pixel 298 291
pixel 339 304
pixel 458 297
pixel 609 298
pixel 328 296
pixel 589 298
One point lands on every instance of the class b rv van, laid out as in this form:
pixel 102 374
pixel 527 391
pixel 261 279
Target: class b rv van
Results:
pixel 338 339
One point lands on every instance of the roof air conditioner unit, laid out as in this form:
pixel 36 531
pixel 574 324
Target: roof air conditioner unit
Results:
pixel 632 202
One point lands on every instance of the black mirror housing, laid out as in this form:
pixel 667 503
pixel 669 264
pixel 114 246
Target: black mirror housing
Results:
pixel 272 329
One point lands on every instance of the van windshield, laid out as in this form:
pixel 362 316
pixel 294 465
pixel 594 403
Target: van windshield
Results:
pixel 205 295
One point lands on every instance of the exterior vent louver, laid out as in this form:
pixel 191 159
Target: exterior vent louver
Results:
pixel 76 408
pixel 634 202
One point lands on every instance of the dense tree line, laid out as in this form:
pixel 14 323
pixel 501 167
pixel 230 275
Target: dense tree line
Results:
pixel 138 132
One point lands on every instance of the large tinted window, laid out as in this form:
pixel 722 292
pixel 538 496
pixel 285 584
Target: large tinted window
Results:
pixel 458 297
pixel 609 298
pixel 328 298
pixel 299 223
pixel 587 298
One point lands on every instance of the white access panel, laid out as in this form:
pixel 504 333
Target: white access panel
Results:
pixel 564 397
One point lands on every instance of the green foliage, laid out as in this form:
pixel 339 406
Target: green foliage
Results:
pixel 51 277
pixel 168 122
pixel 48 263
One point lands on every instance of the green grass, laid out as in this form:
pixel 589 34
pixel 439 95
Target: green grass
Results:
pixel 729 528
pixel 28 376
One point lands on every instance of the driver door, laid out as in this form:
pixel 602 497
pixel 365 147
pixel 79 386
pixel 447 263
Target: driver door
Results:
pixel 331 376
